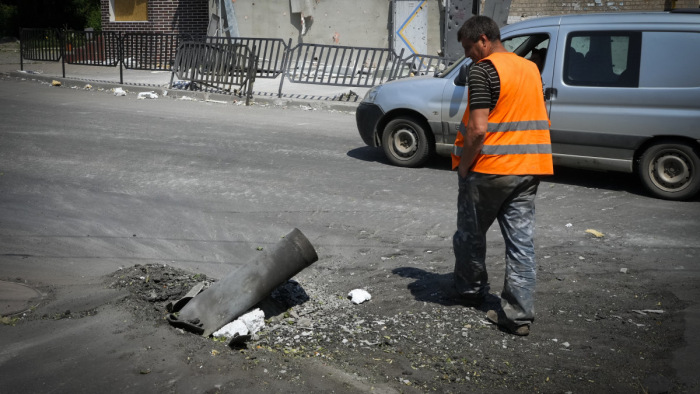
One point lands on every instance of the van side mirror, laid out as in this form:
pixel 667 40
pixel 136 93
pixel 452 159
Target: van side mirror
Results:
pixel 463 76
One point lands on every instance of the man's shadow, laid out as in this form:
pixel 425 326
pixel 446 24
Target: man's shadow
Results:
pixel 439 289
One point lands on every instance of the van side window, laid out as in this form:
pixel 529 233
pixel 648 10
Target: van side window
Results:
pixel 532 47
pixel 603 59
pixel 660 65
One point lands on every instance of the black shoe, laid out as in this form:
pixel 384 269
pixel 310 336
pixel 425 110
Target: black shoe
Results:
pixel 472 300
pixel 500 320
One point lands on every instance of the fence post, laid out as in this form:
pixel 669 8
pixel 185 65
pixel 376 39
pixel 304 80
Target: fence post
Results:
pixel 252 64
pixel 120 54
pixel 394 68
pixel 21 50
pixel 285 58
pixel 62 43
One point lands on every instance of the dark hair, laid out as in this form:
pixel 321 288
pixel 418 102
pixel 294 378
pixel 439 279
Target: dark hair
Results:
pixel 478 25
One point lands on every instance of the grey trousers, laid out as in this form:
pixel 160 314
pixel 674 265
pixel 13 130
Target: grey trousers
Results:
pixel 510 199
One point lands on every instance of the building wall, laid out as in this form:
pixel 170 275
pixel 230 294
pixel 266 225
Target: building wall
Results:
pixel 364 23
pixel 367 23
pixel 164 16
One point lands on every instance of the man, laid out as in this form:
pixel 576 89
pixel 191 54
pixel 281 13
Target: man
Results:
pixel 504 150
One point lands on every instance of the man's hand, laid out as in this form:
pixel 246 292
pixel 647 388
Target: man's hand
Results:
pixel 473 140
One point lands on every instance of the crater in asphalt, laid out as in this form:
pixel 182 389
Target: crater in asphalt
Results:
pixel 17 298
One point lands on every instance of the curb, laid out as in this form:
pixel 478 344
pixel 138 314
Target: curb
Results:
pixel 259 98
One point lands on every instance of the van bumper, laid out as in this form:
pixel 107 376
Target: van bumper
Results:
pixel 367 117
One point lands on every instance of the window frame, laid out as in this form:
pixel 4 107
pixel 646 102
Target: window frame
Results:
pixel 113 15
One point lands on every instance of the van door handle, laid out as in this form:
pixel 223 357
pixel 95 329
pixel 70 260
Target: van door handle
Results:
pixel 550 94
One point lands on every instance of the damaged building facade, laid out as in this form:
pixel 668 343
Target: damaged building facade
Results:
pixel 418 26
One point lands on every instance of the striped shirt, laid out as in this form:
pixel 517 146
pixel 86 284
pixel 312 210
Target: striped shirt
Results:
pixel 484 86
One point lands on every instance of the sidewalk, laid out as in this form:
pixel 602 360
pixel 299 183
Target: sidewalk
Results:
pixel 265 91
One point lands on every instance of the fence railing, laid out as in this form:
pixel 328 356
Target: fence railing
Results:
pixel 270 53
pixel 416 64
pixel 137 51
pixel 340 65
pixel 217 63
pixel 40 45
pixel 216 66
pixel 151 51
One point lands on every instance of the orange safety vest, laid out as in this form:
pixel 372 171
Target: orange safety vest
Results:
pixel 517 138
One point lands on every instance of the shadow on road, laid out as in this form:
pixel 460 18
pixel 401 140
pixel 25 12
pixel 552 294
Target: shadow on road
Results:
pixel 368 153
pixel 611 181
pixel 438 288
pixel 376 155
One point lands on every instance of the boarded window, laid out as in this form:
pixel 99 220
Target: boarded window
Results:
pixel 130 10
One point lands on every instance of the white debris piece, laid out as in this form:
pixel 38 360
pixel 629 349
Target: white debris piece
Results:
pixel 147 95
pixel 248 324
pixel 359 296
pixel 232 329
pixel 254 320
pixel 623 270
pixel 119 92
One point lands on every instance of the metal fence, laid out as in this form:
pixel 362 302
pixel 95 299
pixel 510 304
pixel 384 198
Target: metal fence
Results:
pixel 91 48
pixel 136 51
pixel 40 45
pixel 271 53
pixel 416 64
pixel 340 65
pixel 222 64
pixel 216 67
pixel 151 51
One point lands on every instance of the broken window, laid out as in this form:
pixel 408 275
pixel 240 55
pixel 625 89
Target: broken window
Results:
pixel 128 10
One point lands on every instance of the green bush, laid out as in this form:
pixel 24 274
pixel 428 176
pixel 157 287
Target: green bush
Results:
pixel 89 12
pixel 9 21
pixel 94 19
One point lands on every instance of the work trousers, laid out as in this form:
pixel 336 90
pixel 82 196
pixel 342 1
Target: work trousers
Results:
pixel 510 199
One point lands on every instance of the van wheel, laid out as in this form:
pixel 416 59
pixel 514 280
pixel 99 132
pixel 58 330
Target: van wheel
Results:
pixel 671 170
pixel 406 142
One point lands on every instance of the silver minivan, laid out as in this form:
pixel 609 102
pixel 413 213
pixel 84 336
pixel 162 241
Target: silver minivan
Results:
pixel 622 91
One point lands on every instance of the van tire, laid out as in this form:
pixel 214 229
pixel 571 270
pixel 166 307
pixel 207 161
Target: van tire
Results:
pixel 671 170
pixel 406 142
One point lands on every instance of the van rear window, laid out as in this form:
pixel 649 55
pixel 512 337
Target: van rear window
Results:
pixel 670 59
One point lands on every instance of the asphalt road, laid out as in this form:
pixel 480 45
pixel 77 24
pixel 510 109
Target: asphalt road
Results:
pixel 91 182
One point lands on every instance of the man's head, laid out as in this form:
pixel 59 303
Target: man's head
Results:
pixel 478 36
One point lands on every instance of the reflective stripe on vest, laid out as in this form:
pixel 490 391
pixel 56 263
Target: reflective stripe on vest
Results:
pixel 516 149
pixel 517 126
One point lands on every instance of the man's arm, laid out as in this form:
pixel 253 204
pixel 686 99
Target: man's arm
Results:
pixel 473 139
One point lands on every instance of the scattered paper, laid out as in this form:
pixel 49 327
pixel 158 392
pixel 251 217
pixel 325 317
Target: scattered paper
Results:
pixel 359 296
pixel 147 95
pixel 597 233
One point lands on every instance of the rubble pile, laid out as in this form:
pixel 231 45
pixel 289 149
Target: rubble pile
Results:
pixel 153 286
